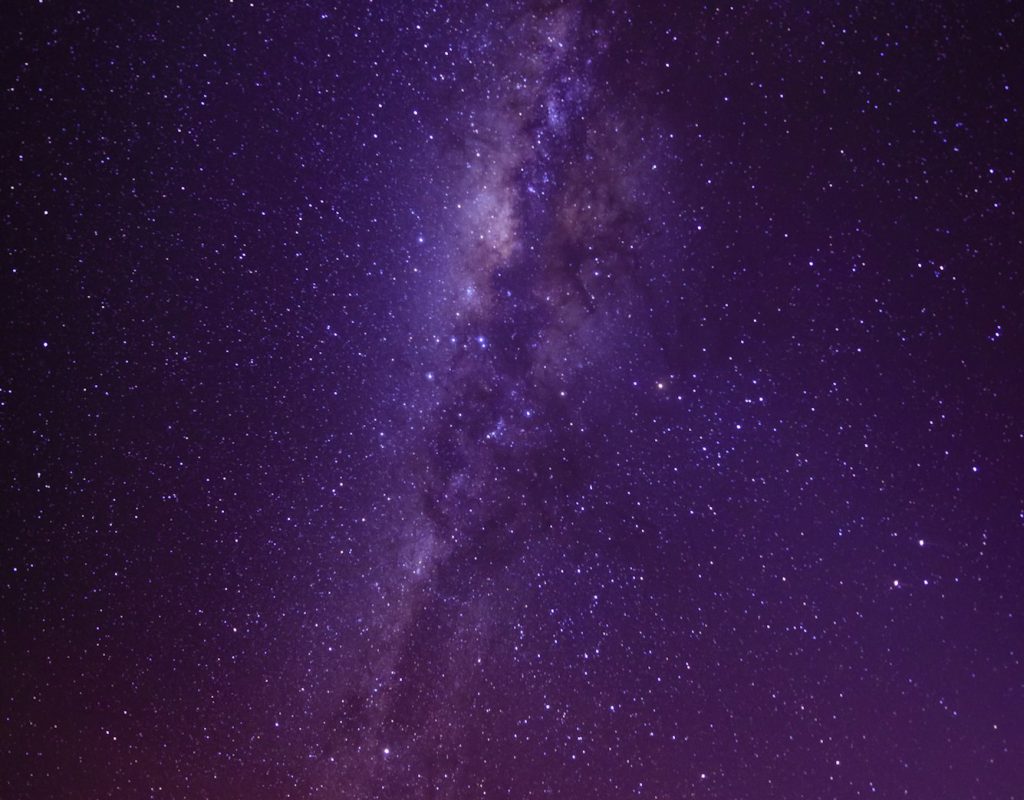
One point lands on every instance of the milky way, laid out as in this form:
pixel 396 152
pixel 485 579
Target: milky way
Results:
pixel 526 399
pixel 531 302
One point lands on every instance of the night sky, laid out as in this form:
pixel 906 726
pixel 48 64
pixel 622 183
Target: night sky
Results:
pixel 579 400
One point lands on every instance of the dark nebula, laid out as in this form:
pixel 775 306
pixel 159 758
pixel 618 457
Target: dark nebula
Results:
pixel 522 399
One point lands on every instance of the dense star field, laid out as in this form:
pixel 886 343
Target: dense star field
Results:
pixel 522 399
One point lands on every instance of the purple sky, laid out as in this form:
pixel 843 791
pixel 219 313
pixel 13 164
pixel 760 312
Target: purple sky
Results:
pixel 516 400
